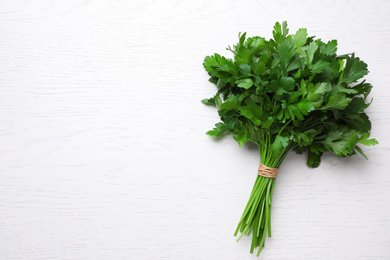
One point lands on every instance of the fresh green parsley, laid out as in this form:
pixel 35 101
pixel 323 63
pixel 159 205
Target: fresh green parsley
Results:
pixel 292 92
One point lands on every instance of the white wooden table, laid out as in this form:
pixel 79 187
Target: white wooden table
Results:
pixel 102 147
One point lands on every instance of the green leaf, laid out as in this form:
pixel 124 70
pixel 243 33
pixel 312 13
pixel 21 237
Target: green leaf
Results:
pixel 317 148
pixel 241 136
pixel 255 44
pixel 319 66
pixel 230 123
pixel 300 38
pixel 287 83
pixel 294 97
pixel 330 73
pixel 303 87
pixel 218 101
pixel 260 68
pixel 286 52
pixel 310 50
pixel 338 101
pixel 330 48
pixel 220 67
pixel 354 70
pixel 342 88
pixel 245 69
pixel 213 80
pixel 243 55
pixel 267 124
pixel 303 107
pixel 220 84
pixel 300 149
pixel 356 105
pixel 305 138
pixel 209 101
pixel 357 148
pixel 280 33
pixel 242 38
pixel 368 142
pixel 294 64
pixel 363 88
pixel 313 160
pixel 341 142
pixel 315 93
pixel 281 86
pixel 279 144
pixel 252 111
pixel 218 131
pixel 230 103
pixel 245 83
pixel 359 122
pixel 285 29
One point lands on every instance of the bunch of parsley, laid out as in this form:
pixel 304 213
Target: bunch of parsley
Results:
pixel 292 92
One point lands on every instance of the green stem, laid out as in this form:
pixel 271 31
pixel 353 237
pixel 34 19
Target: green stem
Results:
pixel 256 218
pixel 284 126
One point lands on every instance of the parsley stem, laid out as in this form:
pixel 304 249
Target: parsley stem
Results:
pixel 256 218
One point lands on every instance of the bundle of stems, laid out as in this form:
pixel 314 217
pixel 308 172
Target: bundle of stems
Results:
pixel 256 217
pixel 257 213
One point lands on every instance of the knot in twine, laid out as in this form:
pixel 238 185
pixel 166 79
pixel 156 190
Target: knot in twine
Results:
pixel 267 171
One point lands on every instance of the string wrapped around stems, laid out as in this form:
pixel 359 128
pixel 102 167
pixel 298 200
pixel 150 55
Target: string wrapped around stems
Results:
pixel 267 171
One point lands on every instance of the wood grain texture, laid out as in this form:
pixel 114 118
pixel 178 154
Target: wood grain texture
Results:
pixel 102 146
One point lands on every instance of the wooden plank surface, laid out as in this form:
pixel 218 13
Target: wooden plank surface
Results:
pixel 102 146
